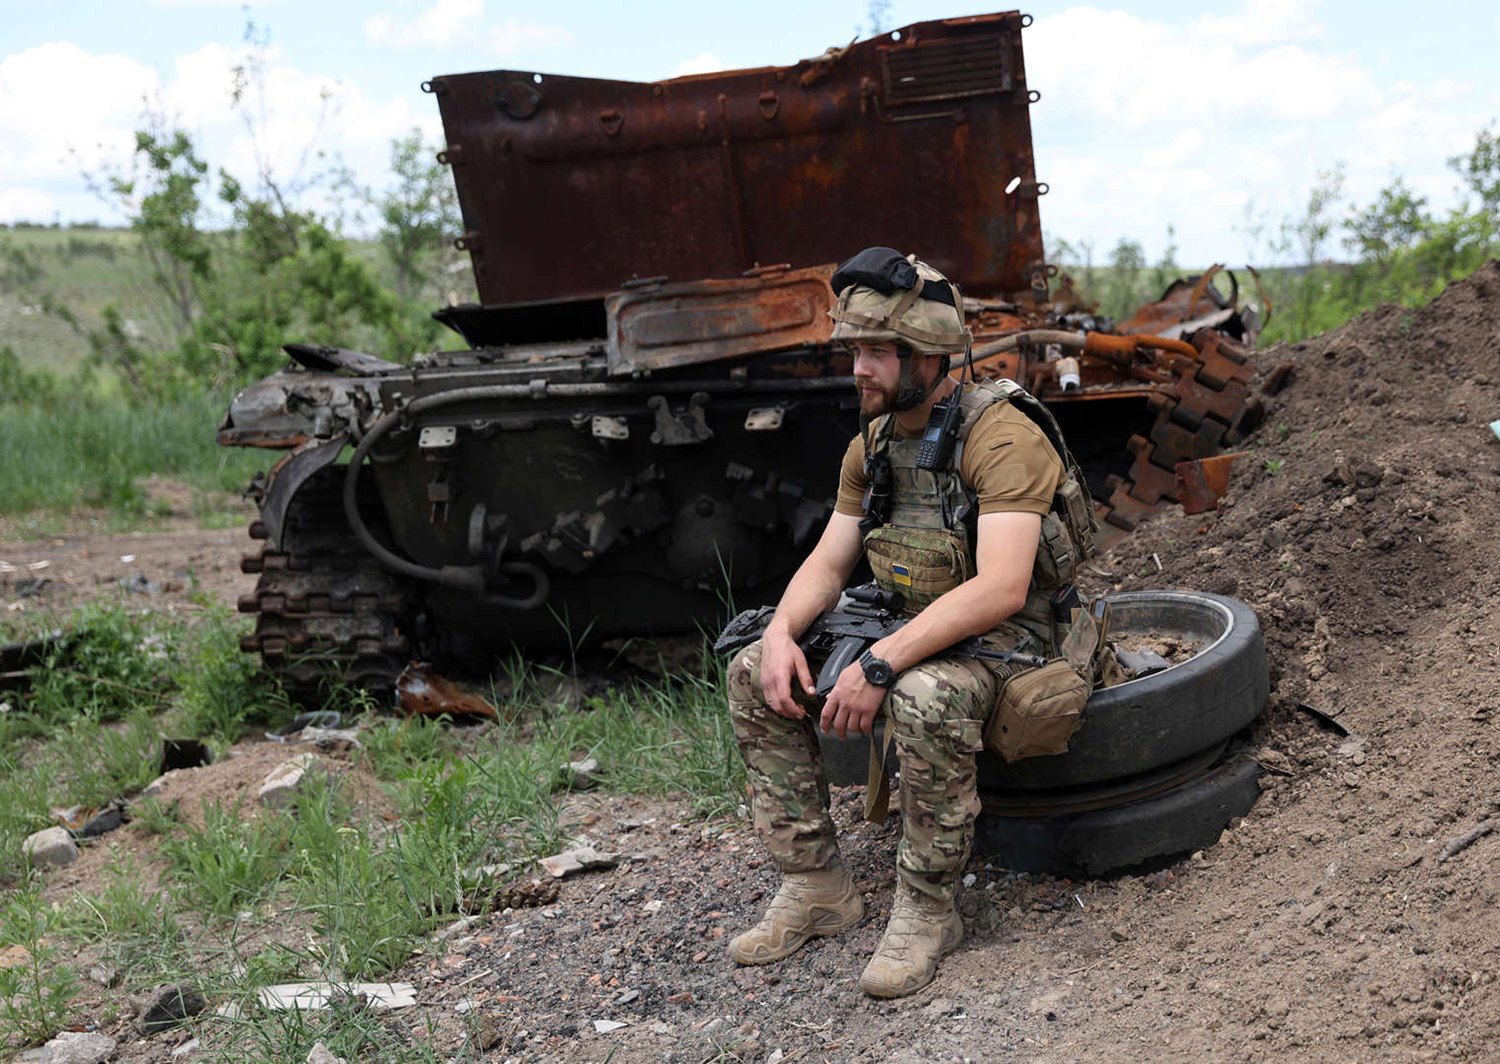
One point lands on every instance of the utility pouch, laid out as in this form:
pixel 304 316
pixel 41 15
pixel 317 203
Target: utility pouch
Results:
pixel 1073 503
pixel 918 563
pixel 1038 713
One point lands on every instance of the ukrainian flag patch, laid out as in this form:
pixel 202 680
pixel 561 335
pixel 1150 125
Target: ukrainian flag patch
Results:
pixel 901 574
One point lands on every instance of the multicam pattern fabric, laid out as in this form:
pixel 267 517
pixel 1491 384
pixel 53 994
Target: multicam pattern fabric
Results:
pixel 937 712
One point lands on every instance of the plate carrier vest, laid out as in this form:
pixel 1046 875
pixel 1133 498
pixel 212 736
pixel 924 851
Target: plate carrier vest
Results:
pixel 933 509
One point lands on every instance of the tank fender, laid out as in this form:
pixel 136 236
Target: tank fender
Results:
pixel 290 475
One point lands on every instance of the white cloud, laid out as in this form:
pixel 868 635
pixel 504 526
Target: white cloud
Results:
pixel 449 23
pixel 1189 123
pixel 707 63
pixel 56 122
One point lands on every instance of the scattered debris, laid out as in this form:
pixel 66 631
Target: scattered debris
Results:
pixel 1324 719
pixel 580 858
pixel 313 996
pixel 106 820
pixel 321 1054
pixel 139 585
pixel 1142 662
pixel 79 1047
pixel 50 846
pixel 285 781
pixel 168 1006
pixel 183 753
pixel 318 718
pixel 1202 482
pixel 581 775
pixel 423 691
pixel 606 1026
pixel 1495 428
pixel 192 1045
pixel 1468 838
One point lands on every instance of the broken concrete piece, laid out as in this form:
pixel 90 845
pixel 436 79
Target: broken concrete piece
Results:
pixel 317 995
pixel 168 1006
pixel 606 1026
pixel 581 775
pixel 79 1047
pixel 579 858
pixel 287 779
pixel 50 846
pixel 321 1054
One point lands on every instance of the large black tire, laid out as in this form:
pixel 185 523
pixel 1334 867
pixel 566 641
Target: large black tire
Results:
pixel 1163 718
pixel 1135 728
pixel 1185 818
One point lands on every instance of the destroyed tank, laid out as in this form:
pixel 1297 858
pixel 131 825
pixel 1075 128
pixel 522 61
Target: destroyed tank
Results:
pixel 644 425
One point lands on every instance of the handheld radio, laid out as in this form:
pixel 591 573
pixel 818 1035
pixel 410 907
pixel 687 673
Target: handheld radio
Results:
pixel 941 434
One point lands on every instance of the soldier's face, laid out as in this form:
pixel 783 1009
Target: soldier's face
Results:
pixel 877 374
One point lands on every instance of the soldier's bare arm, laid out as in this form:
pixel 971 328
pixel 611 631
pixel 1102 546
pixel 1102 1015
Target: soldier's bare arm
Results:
pixel 1004 553
pixel 813 589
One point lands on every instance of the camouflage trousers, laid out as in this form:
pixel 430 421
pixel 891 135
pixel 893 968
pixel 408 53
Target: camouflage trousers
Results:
pixel 937 712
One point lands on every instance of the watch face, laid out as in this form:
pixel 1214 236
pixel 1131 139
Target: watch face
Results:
pixel 877 671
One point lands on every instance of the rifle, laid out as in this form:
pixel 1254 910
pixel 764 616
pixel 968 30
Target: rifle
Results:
pixel 843 635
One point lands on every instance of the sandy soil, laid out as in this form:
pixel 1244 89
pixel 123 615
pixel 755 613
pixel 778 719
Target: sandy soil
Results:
pixel 1324 926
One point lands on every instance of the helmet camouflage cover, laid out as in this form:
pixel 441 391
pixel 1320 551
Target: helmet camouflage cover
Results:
pixel 884 296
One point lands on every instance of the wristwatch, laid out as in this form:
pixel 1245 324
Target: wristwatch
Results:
pixel 878 671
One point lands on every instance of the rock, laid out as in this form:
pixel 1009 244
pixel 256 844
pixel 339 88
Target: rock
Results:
pixel 168 1006
pixel 79 1047
pixel 187 1047
pixel 683 997
pixel 50 846
pixel 653 906
pixel 1118 934
pixel 105 974
pixel 627 997
pixel 286 780
pixel 581 857
pixel 321 1054
pixel 581 775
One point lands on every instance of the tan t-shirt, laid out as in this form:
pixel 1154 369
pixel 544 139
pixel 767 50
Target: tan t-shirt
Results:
pixel 1007 461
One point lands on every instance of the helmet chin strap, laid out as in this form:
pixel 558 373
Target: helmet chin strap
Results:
pixel 910 394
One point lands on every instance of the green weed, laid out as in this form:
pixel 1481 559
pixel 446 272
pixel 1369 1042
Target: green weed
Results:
pixel 1274 465
pixel 34 995
pixel 233 862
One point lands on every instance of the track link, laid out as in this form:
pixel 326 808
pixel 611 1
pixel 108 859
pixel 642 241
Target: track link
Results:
pixel 1209 407
pixel 326 611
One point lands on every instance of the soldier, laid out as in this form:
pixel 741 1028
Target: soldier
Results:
pixel 960 543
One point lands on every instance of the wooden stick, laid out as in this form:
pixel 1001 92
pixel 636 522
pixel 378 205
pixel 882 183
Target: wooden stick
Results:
pixel 1467 839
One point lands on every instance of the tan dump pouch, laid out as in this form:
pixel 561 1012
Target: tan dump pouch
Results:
pixel 1039 711
pixel 918 563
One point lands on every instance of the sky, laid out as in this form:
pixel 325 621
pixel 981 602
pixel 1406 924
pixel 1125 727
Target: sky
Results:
pixel 1152 114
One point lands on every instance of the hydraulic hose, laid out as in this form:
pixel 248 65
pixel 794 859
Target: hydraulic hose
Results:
pixel 468 578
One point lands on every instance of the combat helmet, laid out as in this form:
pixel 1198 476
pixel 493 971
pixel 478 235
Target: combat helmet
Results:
pixel 887 297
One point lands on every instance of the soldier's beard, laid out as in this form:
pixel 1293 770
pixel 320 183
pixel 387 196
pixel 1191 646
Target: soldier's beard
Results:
pixel 881 401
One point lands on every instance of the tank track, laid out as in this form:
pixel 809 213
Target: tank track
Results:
pixel 326 611
pixel 1208 407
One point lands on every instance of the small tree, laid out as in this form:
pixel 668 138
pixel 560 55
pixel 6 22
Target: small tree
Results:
pixel 418 213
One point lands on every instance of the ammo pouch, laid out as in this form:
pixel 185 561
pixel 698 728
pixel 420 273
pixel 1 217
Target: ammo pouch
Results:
pixel 918 563
pixel 1038 712
pixel 1040 709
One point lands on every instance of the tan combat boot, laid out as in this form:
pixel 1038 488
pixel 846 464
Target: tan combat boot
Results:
pixel 921 930
pixel 808 904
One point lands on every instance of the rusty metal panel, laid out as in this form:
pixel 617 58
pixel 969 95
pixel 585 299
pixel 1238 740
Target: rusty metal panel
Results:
pixel 919 139
pixel 682 324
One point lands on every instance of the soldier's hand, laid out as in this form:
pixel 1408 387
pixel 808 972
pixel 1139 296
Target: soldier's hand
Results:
pixel 852 704
pixel 783 664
